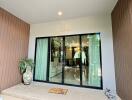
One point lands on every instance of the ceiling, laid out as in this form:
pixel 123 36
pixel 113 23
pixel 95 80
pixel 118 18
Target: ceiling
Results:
pixel 38 11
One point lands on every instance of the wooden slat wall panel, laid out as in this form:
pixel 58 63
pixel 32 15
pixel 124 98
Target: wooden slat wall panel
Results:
pixel 14 38
pixel 122 35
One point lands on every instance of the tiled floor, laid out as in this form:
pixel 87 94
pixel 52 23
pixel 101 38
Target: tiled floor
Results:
pixel 39 91
pixel 6 97
pixel 72 76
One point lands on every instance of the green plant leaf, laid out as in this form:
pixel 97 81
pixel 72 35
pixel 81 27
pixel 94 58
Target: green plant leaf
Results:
pixel 23 63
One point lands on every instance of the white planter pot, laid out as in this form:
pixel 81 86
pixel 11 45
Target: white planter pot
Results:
pixel 27 76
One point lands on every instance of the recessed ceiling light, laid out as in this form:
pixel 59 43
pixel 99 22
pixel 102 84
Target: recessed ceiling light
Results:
pixel 60 13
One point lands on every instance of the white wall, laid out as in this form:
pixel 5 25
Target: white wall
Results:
pixel 78 26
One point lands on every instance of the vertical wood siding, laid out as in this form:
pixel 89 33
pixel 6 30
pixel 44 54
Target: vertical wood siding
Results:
pixel 122 35
pixel 14 37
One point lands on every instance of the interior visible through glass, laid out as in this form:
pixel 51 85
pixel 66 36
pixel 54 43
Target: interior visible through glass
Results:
pixel 72 60
pixel 56 59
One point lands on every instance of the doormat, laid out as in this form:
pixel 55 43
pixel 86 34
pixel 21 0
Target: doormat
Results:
pixel 58 91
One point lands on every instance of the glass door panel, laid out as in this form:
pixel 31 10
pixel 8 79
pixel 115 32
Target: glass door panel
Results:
pixel 41 59
pixel 56 59
pixel 91 65
pixel 72 60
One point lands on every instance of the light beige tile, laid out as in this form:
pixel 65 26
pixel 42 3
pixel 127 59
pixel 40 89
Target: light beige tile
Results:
pixel 39 91
pixel 6 97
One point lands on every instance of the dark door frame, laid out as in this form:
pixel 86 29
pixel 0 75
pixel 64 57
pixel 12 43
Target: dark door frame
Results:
pixel 63 66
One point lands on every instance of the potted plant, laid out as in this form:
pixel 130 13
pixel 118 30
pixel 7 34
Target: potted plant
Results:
pixel 26 66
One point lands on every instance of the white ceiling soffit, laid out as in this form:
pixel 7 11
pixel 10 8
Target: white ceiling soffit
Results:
pixel 38 11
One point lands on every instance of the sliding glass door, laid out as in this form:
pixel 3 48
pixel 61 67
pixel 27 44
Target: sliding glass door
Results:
pixel 56 59
pixel 91 64
pixel 41 59
pixel 72 60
